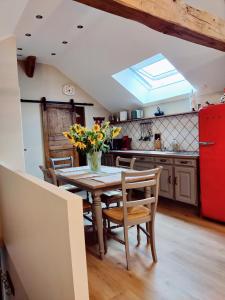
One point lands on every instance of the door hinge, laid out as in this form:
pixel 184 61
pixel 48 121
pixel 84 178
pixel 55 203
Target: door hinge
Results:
pixel 7 283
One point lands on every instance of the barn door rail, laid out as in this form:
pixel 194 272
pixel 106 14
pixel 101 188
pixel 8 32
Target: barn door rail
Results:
pixel 43 101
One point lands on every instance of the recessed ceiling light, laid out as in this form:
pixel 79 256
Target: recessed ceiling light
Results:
pixel 64 42
pixel 39 17
pixel 20 49
pixel 53 53
pixel 27 34
pixel 80 26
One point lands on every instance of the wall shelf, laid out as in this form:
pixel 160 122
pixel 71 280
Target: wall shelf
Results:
pixel 152 118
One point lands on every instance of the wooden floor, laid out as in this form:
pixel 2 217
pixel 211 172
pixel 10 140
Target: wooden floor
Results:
pixel 191 262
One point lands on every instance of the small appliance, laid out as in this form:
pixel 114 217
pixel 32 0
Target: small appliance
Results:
pixel 137 114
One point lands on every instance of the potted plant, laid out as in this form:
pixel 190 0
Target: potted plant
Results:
pixel 92 141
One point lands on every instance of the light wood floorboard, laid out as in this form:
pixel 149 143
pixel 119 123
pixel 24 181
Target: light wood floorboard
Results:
pixel 191 262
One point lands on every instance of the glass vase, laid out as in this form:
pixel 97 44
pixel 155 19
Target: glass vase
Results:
pixel 94 161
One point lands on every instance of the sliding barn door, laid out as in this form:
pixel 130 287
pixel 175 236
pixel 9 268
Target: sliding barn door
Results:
pixel 57 118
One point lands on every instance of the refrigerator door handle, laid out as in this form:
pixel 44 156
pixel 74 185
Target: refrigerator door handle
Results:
pixel 206 143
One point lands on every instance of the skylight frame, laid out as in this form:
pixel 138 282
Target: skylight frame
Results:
pixel 144 85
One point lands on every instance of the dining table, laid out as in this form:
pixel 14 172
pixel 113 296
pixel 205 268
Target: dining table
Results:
pixel 108 178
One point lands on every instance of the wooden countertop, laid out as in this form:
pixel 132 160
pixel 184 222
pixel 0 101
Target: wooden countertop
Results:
pixel 181 154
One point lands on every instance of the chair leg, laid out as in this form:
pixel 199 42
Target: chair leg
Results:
pixel 152 239
pixel 118 204
pixel 107 206
pixel 148 230
pixel 105 234
pixel 126 239
pixel 87 195
pixel 138 235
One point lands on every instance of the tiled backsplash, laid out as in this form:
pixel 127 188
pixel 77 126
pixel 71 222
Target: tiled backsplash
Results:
pixel 183 128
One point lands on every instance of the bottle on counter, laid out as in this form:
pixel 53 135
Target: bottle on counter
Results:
pixel 157 141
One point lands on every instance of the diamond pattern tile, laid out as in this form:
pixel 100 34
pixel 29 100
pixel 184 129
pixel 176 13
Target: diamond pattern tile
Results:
pixel 183 128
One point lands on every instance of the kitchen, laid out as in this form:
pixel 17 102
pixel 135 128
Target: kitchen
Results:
pixel 97 108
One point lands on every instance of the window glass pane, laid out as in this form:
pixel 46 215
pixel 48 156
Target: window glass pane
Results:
pixel 160 67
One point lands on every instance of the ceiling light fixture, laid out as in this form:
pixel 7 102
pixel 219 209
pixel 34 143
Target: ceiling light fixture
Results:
pixel 20 49
pixel 27 34
pixel 64 42
pixel 39 17
pixel 80 26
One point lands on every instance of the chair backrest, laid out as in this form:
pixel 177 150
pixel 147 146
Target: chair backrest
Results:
pixel 46 174
pixel 149 180
pixel 127 163
pixel 61 162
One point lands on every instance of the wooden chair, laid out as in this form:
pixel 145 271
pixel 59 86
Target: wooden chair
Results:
pixel 47 175
pixel 87 208
pixel 115 196
pixel 136 212
pixel 61 162
pixel 69 187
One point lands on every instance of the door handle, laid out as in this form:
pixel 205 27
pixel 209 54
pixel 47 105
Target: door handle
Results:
pixel 206 143
pixel 169 179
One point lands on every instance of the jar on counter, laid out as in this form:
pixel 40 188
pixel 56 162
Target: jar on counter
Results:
pixel 175 145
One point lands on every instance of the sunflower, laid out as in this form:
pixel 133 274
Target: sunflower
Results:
pixel 80 145
pixel 100 136
pixel 96 128
pixel 116 131
pixel 70 138
pixel 77 128
pixel 92 140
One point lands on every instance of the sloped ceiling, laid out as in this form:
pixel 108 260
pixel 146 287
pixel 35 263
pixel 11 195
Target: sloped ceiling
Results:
pixel 107 44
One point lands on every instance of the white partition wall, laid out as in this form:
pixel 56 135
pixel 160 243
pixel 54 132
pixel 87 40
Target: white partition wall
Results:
pixel 11 149
pixel 44 236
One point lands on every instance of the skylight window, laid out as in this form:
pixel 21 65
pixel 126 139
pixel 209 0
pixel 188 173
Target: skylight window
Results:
pixel 153 80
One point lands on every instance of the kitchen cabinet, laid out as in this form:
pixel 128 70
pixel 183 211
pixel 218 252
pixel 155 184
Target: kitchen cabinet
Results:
pixel 143 163
pixel 179 177
pixel 108 159
pixel 166 182
pixel 185 184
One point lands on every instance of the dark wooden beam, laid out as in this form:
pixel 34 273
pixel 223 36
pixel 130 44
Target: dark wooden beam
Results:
pixel 29 65
pixel 172 17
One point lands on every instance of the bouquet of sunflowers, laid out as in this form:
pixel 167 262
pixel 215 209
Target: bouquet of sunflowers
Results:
pixel 92 140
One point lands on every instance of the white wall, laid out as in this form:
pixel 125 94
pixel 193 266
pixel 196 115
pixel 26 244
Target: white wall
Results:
pixel 11 150
pixel 184 105
pixel 44 236
pixel 47 82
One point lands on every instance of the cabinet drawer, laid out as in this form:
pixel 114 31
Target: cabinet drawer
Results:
pixel 163 160
pixel 143 159
pixel 185 162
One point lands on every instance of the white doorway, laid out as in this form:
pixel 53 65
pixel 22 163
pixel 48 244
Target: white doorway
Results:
pixel 32 137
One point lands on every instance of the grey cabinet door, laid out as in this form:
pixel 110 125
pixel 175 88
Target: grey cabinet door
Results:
pixel 166 182
pixel 108 159
pixel 186 185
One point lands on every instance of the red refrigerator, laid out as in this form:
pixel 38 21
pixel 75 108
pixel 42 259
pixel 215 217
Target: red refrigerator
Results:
pixel 212 161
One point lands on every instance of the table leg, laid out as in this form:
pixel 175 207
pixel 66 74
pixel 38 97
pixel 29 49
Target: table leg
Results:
pixel 98 219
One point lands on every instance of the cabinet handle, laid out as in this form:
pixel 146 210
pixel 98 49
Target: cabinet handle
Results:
pixel 184 162
pixel 175 180
pixel 162 160
pixel 169 179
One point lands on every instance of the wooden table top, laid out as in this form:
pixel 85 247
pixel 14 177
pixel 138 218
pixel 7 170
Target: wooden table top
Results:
pixel 82 177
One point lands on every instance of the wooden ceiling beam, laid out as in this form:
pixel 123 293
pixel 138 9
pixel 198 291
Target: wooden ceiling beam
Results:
pixel 172 17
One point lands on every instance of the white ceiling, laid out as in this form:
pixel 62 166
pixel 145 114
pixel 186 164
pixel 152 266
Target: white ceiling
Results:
pixel 107 44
